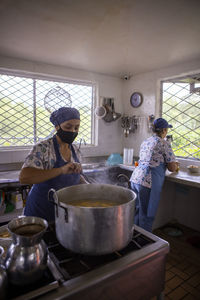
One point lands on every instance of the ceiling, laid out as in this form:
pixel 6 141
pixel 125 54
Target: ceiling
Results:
pixel 114 37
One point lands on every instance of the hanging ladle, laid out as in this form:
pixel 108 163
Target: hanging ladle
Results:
pixel 109 116
pixel 113 112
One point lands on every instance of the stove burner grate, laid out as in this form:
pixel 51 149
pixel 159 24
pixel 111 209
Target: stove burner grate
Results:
pixel 72 265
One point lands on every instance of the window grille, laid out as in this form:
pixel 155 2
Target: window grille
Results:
pixel 181 108
pixel 24 119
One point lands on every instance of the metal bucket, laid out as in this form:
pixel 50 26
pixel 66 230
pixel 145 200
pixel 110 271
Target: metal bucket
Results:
pixel 94 230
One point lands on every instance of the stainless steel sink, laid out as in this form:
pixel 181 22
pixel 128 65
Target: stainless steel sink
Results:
pixel 92 165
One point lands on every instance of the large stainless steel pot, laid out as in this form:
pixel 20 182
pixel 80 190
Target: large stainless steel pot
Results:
pixel 94 230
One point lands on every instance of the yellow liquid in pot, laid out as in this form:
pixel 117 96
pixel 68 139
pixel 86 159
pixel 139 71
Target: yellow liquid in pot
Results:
pixel 92 203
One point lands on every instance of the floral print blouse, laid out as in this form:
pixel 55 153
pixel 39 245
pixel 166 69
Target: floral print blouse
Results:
pixel 153 152
pixel 43 155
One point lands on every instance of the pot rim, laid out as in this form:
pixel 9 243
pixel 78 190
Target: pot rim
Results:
pixel 27 220
pixel 99 186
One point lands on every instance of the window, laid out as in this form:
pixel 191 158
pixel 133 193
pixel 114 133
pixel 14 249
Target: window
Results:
pixel 26 104
pixel 181 108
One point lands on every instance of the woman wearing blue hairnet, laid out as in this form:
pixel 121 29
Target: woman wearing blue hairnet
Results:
pixel 156 156
pixel 52 163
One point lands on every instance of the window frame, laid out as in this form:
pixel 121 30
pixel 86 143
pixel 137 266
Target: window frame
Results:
pixel 194 89
pixel 160 110
pixel 62 79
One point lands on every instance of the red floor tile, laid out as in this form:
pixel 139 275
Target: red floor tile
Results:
pixel 178 294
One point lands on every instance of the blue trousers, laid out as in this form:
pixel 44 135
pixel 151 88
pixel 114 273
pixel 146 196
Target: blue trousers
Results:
pixel 141 207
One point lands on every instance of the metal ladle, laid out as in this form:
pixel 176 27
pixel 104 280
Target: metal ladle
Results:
pixel 113 112
pixel 109 116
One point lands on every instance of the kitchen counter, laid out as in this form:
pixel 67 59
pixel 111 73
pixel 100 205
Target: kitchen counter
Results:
pixel 183 176
pixel 9 179
pixel 10 176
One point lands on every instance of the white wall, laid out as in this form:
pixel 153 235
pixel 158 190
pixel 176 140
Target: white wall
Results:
pixel 149 85
pixel 109 134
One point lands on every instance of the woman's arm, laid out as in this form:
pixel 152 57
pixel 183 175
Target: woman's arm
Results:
pixel 170 158
pixel 33 175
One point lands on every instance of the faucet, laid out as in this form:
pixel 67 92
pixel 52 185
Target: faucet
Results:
pixel 169 138
pixel 81 140
pixel 126 178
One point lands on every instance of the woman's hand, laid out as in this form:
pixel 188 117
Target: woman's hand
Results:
pixel 71 168
pixel 178 166
pixel 173 166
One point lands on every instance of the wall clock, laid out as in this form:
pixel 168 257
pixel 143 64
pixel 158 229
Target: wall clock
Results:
pixel 136 99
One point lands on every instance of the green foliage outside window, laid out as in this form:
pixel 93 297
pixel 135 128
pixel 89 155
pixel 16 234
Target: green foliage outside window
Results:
pixel 24 122
pixel 184 114
pixel 21 116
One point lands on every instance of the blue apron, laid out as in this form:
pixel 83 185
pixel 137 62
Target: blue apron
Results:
pixel 147 200
pixel 157 177
pixel 37 203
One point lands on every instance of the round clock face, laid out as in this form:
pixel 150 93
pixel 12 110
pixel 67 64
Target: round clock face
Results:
pixel 136 99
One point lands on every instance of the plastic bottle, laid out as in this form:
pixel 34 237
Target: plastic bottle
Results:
pixel 18 200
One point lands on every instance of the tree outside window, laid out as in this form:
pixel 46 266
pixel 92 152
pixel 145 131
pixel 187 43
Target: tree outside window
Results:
pixel 181 108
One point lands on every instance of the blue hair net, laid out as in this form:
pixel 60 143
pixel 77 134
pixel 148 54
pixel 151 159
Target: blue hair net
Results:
pixel 64 114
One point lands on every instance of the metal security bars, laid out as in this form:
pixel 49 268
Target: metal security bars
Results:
pixel 24 112
pixel 181 108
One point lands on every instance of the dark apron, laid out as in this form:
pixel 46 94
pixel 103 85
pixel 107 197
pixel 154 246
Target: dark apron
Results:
pixel 37 203
pixel 157 177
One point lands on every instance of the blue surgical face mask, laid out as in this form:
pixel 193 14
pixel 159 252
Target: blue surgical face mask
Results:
pixel 66 136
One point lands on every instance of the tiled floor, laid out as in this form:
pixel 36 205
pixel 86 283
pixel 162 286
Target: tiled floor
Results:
pixel 183 265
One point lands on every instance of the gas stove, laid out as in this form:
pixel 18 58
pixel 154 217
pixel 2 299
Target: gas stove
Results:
pixel 135 272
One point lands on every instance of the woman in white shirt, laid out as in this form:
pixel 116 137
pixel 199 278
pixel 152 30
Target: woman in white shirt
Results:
pixel 156 155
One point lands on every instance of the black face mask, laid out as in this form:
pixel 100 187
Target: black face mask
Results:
pixel 66 136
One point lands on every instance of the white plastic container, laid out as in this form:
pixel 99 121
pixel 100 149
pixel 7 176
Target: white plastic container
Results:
pixel 128 156
pixel 18 200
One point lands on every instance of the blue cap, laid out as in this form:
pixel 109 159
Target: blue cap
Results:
pixel 64 114
pixel 161 123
